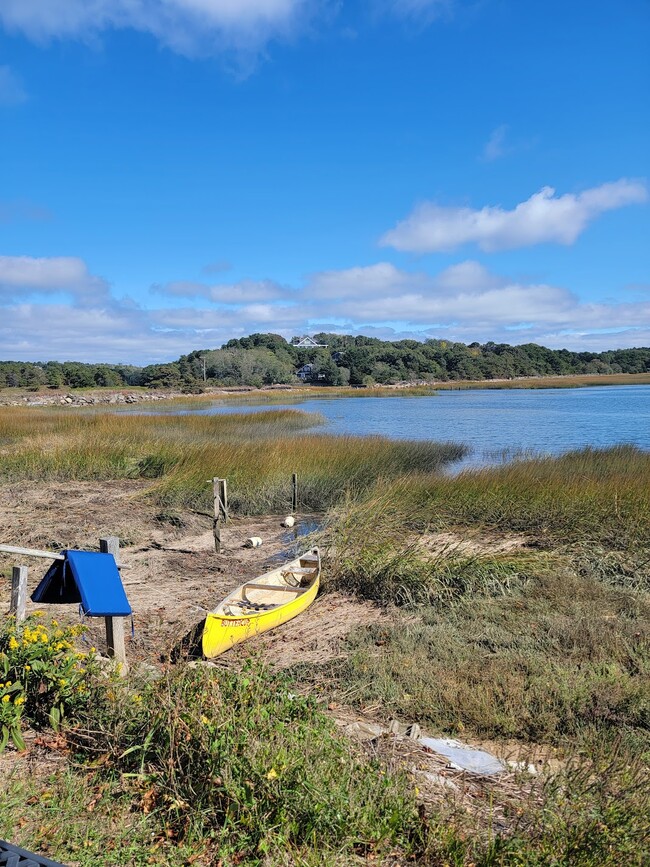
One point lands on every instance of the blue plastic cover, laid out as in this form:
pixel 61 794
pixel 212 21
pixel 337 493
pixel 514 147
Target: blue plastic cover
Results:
pixel 86 577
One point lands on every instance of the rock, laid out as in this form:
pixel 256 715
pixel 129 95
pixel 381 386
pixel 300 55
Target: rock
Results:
pixel 364 731
pixel 439 780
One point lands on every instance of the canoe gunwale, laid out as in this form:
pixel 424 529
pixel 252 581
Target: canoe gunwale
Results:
pixel 222 631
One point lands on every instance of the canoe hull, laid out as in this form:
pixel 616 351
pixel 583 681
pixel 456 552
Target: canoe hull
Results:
pixel 221 631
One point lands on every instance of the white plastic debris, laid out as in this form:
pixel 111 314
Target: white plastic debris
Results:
pixel 464 758
pixel 253 542
pixel 289 521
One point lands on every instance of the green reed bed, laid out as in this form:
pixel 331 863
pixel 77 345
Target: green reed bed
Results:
pixel 588 496
pixel 542 642
pixel 257 452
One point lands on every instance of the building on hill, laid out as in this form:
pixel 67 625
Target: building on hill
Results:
pixel 307 343
pixel 307 373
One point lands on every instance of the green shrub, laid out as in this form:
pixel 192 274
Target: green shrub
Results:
pixel 42 677
pixel 239 757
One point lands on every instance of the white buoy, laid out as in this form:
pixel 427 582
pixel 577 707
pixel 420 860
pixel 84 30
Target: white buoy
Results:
pixel 289 521
pixel 253 542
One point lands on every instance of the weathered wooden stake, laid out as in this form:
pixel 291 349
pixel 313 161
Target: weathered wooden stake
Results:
pixel 115 646
pixel 294 498
pixel 220 500
pixel 223 499
pixel 18 592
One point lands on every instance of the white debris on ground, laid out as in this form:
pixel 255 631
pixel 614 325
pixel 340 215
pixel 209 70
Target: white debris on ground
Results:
pixel 464 758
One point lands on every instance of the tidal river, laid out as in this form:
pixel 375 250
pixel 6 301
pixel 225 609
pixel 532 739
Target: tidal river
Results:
pixel 496 424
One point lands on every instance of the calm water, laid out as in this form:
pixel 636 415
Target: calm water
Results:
pixel 495 424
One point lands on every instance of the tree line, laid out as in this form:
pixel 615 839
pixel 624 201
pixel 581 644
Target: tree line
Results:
pixel 268 359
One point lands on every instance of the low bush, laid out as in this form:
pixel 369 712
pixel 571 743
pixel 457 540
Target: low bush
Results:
pixel 42 677
pixel 239 757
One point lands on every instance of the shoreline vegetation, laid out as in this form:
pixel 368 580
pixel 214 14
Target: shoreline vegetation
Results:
pixel 513 604
pixel 112 397
pixel 330 360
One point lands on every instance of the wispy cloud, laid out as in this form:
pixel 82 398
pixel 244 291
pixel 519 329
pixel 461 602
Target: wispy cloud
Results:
pixel 26 276
pixel 12 90
pixel 495 146
pixel 56 308
pixel 186 26
pixel 15 211
pixel 243 292
pixel 420 11
pixel 543 218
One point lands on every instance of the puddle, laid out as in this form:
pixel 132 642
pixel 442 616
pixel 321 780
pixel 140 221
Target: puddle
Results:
pixel 291 540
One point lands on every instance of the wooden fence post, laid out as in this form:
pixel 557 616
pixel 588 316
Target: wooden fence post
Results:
pixel 294 496
pixel 18 592
pixel 115 646
pixel 220 504
pixel 223 499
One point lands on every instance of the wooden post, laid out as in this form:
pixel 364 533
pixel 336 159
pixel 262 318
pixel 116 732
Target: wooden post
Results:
pixel 115 646
pixel 18 592
pixel 223 499
pixel 220 505
pixel 216 521
pixel 294 497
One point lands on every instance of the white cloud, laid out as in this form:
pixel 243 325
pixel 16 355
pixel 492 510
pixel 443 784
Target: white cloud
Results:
pixel 543 218
pixel 472 303
pixel 12 91
pixel 464 302
pixel 25 275
pixel 243 292
pixel 186 26
pixel 371 280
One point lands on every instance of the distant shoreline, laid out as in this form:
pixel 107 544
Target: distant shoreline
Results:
pixel 107 397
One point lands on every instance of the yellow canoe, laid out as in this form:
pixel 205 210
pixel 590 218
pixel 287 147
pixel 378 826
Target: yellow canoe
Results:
pixel 262 604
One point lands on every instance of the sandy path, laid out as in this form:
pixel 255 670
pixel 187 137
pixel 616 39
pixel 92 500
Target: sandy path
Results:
pixel 174 575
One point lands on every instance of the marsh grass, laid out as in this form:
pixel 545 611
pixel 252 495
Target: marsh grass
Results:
pixel 590 496
pixel 539 643
pixel 241 758
pixel 569 381
pixel 256 452
pixel 236 768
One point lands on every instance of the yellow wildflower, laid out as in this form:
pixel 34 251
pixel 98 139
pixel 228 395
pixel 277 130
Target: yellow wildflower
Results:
pixel 5 699
pixel 13 644
pixel 28 668
pixel 272 774
pixel 20 700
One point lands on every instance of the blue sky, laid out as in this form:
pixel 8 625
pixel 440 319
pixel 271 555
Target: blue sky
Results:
pixel 179 172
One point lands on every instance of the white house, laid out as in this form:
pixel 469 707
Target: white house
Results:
pixel 308 343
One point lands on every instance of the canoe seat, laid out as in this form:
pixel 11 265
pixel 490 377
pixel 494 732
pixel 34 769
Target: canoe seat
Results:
pixel 283 587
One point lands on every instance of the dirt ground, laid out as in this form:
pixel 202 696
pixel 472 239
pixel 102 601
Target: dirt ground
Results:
pixel 174 575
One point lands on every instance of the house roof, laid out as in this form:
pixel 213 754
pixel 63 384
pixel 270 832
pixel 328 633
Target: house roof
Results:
pixel 309 341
